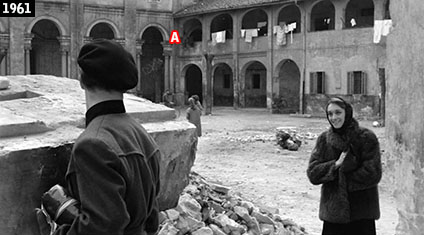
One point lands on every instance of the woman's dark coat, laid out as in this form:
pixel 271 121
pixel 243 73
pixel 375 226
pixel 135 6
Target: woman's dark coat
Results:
pixel 350 192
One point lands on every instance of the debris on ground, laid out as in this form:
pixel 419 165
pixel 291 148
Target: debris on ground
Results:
pixel 288 139
pixel 208 209
pixel 248 139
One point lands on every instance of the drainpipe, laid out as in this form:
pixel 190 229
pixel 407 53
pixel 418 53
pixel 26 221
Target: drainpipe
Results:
pixel 304 64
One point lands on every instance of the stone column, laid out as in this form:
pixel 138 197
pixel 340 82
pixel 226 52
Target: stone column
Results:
pixel 236 43
pixel 139 53
pixel 4 45
pixel 65 45
pixel 167 51
pixel 207 96
pixel 120 41
pixel 27 48
pixel 87 40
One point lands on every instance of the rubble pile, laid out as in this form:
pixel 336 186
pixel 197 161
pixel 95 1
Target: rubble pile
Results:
pixel 289 138
pixel 247 139
pixel 208 209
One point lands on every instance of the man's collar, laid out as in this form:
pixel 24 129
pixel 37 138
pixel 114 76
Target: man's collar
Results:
pixel 103 108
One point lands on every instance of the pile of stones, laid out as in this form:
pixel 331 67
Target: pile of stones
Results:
pixel 209 209
pixel 288 139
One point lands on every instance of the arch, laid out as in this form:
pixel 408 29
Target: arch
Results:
pixel 45 55
pixel 110 23
pixel 59 25
pixel 290 14
pixel 323 16
pixel 254 84
pixel 359 13
pixel 152 66
pixel 223 87
pixel 162 30
pixel 287 97
pixel 192 32
pixel 193 81
pixel 222 22
pixel 256 19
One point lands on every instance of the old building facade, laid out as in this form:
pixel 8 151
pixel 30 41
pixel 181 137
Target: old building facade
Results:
pixel 233 53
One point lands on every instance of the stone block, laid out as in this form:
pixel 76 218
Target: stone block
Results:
pixel 4 83
pixel 32 162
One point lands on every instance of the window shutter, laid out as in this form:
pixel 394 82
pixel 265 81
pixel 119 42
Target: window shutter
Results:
pixel 323 82
pixel 364 83
pixel 350 81
pixel 313 83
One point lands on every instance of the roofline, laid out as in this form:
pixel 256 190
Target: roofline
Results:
pixel 175 15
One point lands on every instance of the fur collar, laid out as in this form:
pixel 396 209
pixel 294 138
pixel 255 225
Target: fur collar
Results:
pixel 343 141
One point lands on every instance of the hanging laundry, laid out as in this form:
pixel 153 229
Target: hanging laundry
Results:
pixel 275 29
pixel 261 24
pixel 214 38
pixel 220 37
pixel 353 22
pixel 291 27
pixel 387 26
pixel 254 32
pixel 248 35
pixel 242 33
pixel 378 29
pixel 281 37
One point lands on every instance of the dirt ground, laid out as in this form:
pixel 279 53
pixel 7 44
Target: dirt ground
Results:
pixel 238 149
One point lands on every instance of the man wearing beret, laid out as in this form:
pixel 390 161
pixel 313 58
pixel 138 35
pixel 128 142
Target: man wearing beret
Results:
pixel 113 171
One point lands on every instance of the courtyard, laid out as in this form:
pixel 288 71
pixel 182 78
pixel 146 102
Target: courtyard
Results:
pixel 238 149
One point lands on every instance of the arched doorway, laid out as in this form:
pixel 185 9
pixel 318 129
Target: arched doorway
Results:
pixel 255 85
pixel 193 82
pixel 152 65
pixel 102 30
pixel 45 57
pixel 223 89
pixel 288 98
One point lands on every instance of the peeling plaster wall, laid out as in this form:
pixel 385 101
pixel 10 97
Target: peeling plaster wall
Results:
pixel 405 129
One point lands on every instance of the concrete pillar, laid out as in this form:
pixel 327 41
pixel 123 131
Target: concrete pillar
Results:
pixel 76 23
pixel 65 44
pixel 27 48
pixel 139 53
pixel 236 44
pixel 167 51
pixel 404 112
pixel 270 60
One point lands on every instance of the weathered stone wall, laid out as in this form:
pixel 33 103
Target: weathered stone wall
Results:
pixel 37 133
pixel 405 111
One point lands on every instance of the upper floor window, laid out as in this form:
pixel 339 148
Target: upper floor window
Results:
pixel 357 82
pixel 317 82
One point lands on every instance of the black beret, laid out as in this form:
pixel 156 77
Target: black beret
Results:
pixel 108 63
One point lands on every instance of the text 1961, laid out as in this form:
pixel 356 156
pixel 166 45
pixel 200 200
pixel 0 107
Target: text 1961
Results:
pixel 17 8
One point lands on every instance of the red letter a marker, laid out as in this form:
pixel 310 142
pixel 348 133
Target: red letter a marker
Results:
pixel 175 37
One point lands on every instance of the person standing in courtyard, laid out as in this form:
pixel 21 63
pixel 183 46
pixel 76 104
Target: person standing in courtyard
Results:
pixel 113 172
pixel 346 162
pixel 193 114
pixel 197 102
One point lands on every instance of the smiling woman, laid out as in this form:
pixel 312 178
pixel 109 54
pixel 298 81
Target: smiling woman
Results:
pixel 346 161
